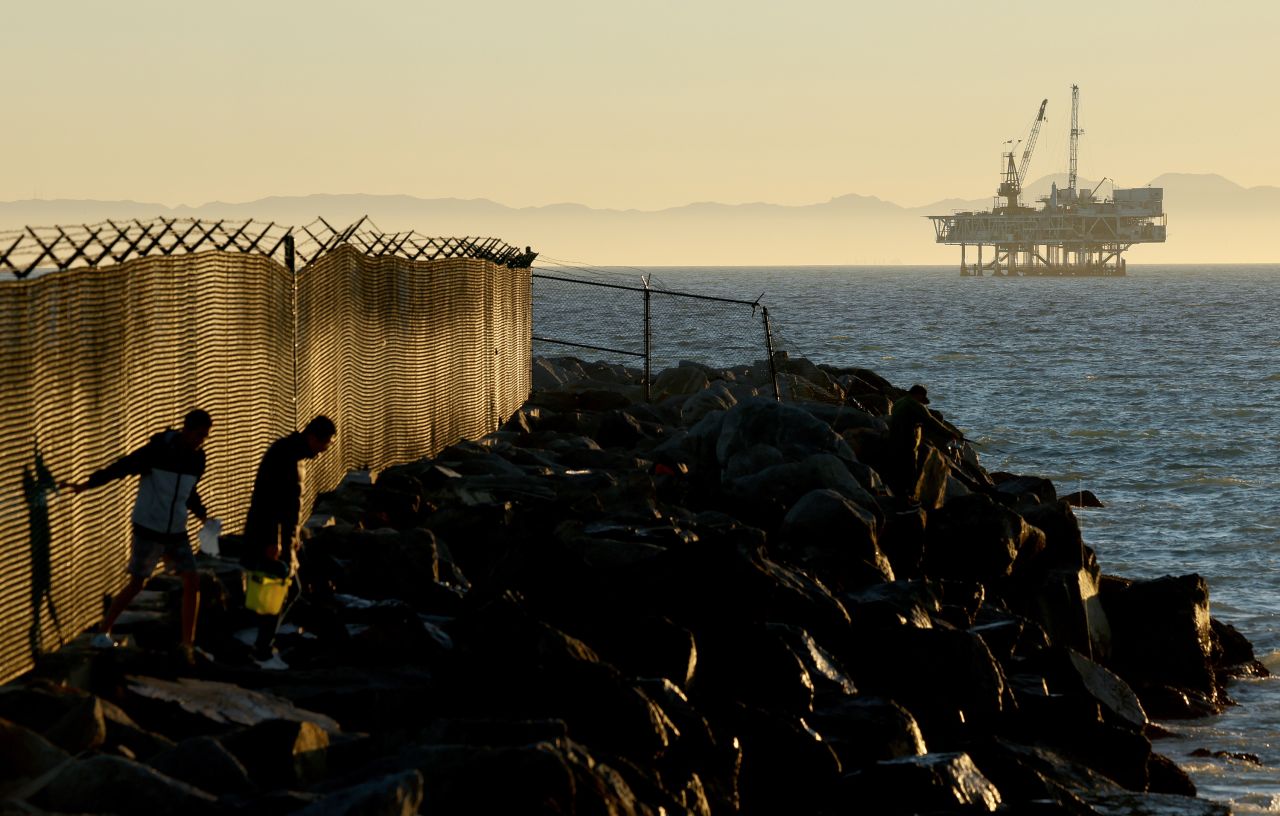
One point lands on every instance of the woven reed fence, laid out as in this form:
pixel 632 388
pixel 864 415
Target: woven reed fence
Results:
pixel 408 343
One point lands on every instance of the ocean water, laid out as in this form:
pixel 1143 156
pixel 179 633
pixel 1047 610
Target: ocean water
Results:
pixel 1159 391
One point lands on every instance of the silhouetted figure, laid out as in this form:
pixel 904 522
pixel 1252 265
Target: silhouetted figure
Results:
pixel 169 465
pixel 271 528
pixel 35 489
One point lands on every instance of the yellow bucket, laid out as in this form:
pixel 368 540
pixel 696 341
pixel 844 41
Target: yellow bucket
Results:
pixel 264 593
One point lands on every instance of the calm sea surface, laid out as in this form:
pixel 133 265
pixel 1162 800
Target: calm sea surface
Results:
pixel 1160 392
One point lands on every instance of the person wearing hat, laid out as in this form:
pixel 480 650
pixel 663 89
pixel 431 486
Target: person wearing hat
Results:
pixel 910 422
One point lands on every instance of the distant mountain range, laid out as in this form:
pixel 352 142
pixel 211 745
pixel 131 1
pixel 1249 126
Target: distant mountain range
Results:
pixel 1210 220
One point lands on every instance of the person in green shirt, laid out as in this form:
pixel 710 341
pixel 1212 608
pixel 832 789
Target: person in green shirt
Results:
pixel 910 422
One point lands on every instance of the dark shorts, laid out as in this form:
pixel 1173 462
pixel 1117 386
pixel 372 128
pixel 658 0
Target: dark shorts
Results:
pixel 146 551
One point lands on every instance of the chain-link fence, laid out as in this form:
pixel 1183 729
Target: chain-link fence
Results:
pixel 111 333
pixel 646 327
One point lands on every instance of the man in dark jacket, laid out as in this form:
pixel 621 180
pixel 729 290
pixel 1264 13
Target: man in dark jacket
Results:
pixel 169 466
pixel 271 528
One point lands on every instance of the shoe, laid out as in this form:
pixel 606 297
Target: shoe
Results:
pixel 274 663
pixel 102 641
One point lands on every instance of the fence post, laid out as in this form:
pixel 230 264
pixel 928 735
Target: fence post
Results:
pixel 768 346
pixel 291 263
pixel 648 376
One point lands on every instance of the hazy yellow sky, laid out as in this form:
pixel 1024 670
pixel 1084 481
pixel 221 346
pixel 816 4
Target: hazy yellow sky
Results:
pixel 621 104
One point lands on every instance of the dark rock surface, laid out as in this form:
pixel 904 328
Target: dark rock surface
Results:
pixel 711 603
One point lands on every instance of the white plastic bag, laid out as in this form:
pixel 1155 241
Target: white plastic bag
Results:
pixel 208 536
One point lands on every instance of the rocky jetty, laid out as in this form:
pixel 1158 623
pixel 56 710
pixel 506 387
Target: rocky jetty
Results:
pixel 711 603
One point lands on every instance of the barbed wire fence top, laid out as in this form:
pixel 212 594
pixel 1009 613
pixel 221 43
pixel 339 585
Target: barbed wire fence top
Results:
pixel 32 251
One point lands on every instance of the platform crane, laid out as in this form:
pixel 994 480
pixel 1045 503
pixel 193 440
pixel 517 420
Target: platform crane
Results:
pixel 1075 139
pixel 1014 177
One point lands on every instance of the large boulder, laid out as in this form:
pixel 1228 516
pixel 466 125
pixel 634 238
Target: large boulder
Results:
pixel 717 397
pixel 769 494
pixel 946 678
pixel 682 380
pixel 1162 642
pixel 794 431
pixel 974 537
pixel 755 665
pixel 864 730
pixel 1067 604
pixel 191 707
pixel 835 538
pixel 786 766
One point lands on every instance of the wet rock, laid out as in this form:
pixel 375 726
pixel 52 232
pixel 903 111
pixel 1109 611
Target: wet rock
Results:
pixel 1164 776
pixel 1083 498
pixel 1251 759
pixel 1033 489
pixel 1231 653
pixel 1161 634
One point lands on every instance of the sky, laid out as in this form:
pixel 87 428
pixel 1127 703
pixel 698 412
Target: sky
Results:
pixel 623 105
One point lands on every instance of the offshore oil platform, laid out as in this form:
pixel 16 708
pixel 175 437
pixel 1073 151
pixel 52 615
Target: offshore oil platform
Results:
pixel 1072 234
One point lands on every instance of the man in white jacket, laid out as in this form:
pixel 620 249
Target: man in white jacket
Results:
pixel 169 466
